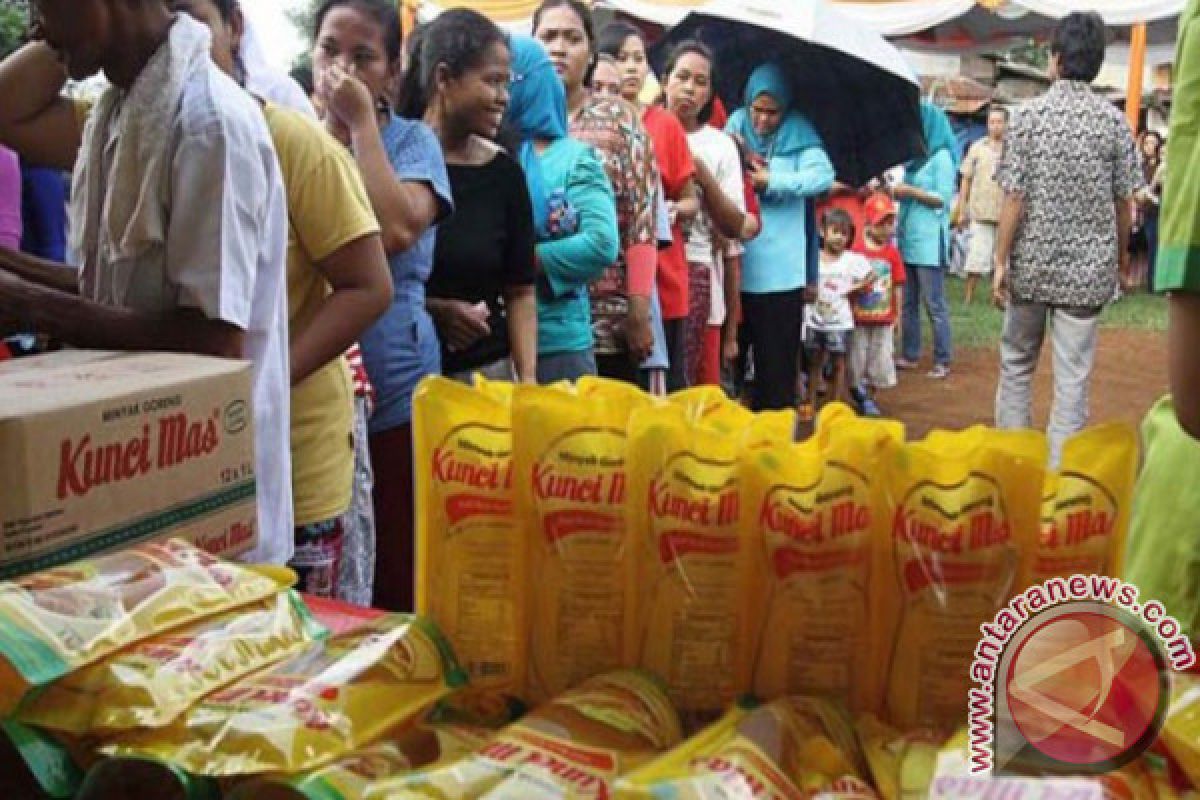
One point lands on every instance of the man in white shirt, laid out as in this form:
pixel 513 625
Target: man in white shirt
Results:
pixel 178 215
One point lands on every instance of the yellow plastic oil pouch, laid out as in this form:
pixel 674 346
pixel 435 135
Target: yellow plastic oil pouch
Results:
pixel 815 512
pixel 1086 505
pixel 902 765
pixel 838 416
pixel 302 713
pixel 1022 443
pixel 352 776
pixel 964 523
pixel 711 407
pixel 571 490
pixel 953 779
pixel 59 620
pixel 150 683
pixel 694 563
pixel 471 556
pixel 1181 728
pixel 794 747
pixel 575 747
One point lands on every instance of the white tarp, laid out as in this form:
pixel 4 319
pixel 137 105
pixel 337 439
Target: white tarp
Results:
pixel 1115 12
pixel 906 17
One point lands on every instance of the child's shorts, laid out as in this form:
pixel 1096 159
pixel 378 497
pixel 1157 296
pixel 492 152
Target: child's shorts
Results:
pixel 835 342
pixel 871 357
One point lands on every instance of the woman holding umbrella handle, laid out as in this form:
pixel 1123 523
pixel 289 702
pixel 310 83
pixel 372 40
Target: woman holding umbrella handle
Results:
pixel 789 169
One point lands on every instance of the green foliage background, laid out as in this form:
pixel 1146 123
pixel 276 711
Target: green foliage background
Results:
pixel 14 20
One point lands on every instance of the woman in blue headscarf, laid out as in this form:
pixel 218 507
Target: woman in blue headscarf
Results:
pixel 790 168
pixel 574 213
pixel 926 197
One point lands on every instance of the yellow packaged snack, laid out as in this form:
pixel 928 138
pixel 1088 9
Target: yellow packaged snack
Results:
pixel 693 561
pixel 815 512
pixel 150 683
pixel 571 487
pixel 471 559
pixel 59 620
pixel 1086 504
pixel 574 746
pixel 964 522
pixel 352 776
pixel 338 695
pixel 794 747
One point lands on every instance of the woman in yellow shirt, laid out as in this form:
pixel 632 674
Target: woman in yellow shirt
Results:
pixel 338 284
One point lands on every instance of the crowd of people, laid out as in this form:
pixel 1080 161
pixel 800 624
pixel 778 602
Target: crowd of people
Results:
pixel 524 208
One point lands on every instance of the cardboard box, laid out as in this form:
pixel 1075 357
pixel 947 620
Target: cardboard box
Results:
pixel 99 451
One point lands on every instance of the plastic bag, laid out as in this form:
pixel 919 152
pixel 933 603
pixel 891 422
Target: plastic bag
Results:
pixel 59 620
pixel 965 520
pixel 571 492
pixel 694 562
pixel 150 683
pixel 1086 505
pixel 471 558
pixel 315 707
pixel 816 512
pixel 795 747
pixel 574 746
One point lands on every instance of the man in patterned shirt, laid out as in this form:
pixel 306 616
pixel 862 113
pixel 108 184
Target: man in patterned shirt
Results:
pixel 1069 171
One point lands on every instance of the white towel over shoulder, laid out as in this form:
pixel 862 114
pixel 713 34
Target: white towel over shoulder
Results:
pixel 121 215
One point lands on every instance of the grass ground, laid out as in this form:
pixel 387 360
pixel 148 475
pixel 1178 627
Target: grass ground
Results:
pixel 980 325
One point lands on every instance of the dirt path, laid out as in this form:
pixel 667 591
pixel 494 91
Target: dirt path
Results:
pixel 1130 375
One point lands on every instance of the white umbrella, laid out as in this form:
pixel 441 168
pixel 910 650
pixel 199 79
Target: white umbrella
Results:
pixel 853 84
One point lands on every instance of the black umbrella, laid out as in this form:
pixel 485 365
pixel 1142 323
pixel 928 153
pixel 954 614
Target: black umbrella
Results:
pixel 851 83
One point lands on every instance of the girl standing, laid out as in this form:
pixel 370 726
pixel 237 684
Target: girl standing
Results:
pixel 574 214
pixel 714 235
pixel 481 291
pixel 357 59
pixel 924 233
pixel 622 296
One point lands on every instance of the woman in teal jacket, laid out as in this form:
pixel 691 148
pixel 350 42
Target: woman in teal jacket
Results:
pixel 926 198
pixel 574 213
pixel 790 169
